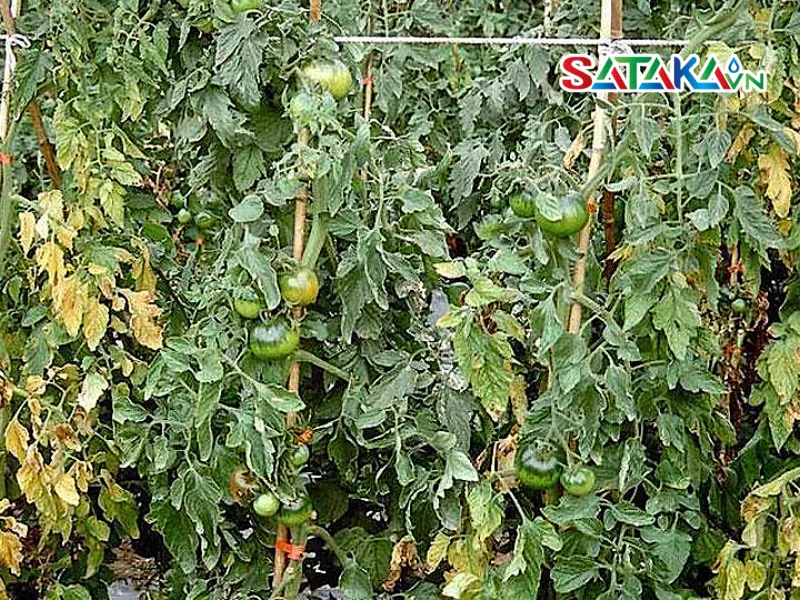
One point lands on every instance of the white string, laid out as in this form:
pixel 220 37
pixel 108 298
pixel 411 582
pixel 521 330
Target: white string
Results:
pixel 515 41
pixel 17 40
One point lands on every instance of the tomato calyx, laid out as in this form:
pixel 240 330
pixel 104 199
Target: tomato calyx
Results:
pixel 538 464
pixel 274 340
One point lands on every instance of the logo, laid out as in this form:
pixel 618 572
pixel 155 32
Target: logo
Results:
pixel 650 73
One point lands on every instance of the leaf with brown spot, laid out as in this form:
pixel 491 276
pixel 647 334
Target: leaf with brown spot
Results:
pixel 144 315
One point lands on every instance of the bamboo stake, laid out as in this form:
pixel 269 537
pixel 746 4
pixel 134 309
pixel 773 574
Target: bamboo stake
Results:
pixel 610 23
pixel 298 241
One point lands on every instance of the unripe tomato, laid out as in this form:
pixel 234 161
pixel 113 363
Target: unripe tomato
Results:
pixel 184 217
pixel 274 340
pixel 538 465
pixel 204 220
pixel 299 287
pixel 266 505
pixel 241 6
pixel 334 77
pixel 578 482
pixel 574 216
pixel 296 511
pixel 739 306
pixel 299 455
pixel 247 303
pixel 523 205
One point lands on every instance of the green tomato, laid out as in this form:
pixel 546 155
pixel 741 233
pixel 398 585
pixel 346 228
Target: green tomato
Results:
pixel 184 217
pixel 574 216
pixel 296 511
pixel 247 303
pixel 204 220
pixel 739 306
pixel 578 482
pixel 274 340
pixel 241 6
pixel 523 205
pixel 299 287
pixel 266 505
pixel 299 455
pixel 538 465
pixel 334 77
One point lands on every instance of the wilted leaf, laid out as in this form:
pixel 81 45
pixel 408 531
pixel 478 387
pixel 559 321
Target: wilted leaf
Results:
pixel 144 315
pixel 775 176
pixel 27 222
pixel 95 322
pixel 92 389
pixel 16 439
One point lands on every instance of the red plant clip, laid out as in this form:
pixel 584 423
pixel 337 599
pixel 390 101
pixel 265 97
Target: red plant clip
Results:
pixel 366 80
pixel 737 268
pixel 5 159
pixel 294 553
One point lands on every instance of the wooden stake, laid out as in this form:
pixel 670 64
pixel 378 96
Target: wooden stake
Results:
pixel 9 14
pixel 610 21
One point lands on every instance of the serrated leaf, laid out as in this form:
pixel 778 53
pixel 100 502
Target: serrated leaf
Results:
pixel 95 322
pixel 16 439
pixel 750 215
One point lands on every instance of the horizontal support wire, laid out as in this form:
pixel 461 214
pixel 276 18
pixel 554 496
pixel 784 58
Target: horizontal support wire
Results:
pixel 515 41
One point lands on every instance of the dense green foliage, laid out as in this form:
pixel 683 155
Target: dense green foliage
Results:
pixel 134 408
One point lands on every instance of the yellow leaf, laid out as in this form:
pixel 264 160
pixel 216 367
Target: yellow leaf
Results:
pixel 30 476
pixel 740 143
pixel 774 169
pixel 92 389
pixel 27 222
pixel 65 235
pixel 35 385
pixel 50 258
pixel 82 471
pixel 437 552
pixel 144 315
pixel 10 551
pixel 51 203
pixel 112 199
pixel 68 299
pixel 17 439
pixel 95 322
pixel 142 272
pixel 66 490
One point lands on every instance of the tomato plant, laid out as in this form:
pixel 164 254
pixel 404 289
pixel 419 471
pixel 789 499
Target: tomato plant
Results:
pixel 449 332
